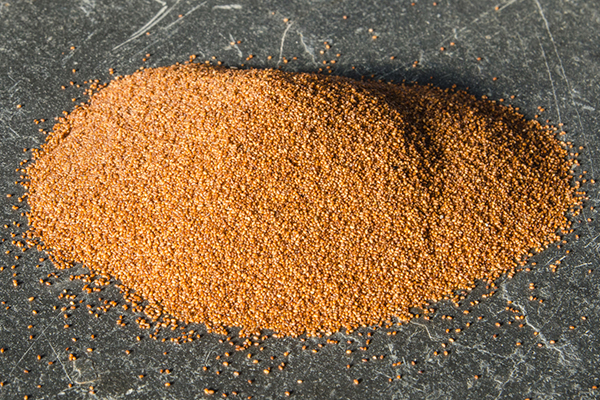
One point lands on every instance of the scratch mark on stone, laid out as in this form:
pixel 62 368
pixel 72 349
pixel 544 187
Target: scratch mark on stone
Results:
pixel 283 42
pixel 427 329
pixel 235 46
pixel 208 355
pixel 184 15
pixel 34 342
pixel 566 353
pixel 506 5
pixel 591 242
pixel 87 367
pixel 59 360
pixel 89 36
pixel 480 16
pixel 228 7
pixel 551 82
pixel 87 6
pixel 585 107
pixel 582 265
pixel 307 49
pixel 66 58
pixel 13 134
pixel 167 36
pixel 12 88
pixel 564 75
pixel 163 12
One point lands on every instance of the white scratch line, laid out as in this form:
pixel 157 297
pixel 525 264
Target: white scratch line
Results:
pixel 153 21
pixel 15 134
pixel 89 36
pixel 482 15
pixel 591 241
pixel 586 107
pixel 87 6
pixel 14 86
pixel 308 50
pixel 428 333
pixel 195 8
pixel 235 46
pixel 551 82
pixel 34 342
pixel 58 358
pixel 507 4
pixel 564 75
pixel 228 7
pixel 185 15
pixel 282 42
pixel 582 265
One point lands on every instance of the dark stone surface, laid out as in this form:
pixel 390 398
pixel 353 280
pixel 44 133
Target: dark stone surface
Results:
pixel 544 52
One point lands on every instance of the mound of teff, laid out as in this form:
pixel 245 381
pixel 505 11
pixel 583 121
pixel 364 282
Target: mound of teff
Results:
pixel 294 202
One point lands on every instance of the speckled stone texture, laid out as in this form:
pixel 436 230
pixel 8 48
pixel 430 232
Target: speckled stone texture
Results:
pixel 543 52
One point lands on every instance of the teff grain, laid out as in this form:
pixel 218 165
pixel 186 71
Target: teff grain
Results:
pixel 294 202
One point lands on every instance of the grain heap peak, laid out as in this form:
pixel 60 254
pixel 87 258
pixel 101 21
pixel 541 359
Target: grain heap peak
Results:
pixel 295 202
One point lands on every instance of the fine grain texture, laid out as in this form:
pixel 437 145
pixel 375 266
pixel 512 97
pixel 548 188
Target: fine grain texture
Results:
pixel 294 202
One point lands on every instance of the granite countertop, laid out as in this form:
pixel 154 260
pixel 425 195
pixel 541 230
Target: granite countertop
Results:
pixel 537 336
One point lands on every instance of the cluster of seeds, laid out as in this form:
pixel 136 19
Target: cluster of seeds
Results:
pixel 295 202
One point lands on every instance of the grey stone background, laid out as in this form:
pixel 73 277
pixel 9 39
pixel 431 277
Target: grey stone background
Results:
pixel 543 52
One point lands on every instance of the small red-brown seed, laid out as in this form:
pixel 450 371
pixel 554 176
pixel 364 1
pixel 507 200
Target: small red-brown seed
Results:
pixel 360 187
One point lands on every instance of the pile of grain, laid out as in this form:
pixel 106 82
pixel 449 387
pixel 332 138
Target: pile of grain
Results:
pixel 294 202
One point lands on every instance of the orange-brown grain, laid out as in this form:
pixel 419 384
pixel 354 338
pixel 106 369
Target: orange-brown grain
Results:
pixel 294 202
